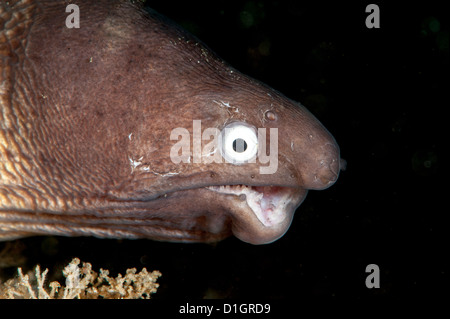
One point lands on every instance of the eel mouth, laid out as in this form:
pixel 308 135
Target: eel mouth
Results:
pixel 270 204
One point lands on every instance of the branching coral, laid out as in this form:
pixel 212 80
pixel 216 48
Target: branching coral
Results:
pixel 81 283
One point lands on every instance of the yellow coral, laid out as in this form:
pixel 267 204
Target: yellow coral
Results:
pixel 81 283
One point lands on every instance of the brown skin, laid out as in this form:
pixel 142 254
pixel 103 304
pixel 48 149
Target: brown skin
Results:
pixel 79 105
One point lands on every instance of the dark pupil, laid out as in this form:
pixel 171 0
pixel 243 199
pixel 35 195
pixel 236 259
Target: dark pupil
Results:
pixel 239 145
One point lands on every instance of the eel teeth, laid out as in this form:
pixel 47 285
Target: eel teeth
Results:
pixel 269 207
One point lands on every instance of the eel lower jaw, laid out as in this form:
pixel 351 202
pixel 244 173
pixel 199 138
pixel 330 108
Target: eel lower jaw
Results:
pixel 270 204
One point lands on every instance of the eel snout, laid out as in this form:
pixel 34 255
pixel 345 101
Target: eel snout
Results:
pixel 326 169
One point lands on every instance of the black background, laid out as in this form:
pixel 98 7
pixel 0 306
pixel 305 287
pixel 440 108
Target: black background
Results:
pixel 382 93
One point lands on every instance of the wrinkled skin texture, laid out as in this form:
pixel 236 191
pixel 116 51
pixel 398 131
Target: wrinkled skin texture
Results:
pixel 85 121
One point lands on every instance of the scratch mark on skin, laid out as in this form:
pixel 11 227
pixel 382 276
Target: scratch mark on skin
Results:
pixel 170 174
pixel 205 54
pixel 227 105
pixel 134 164
pixel 162 174
pixel 137 164
pixel 209 154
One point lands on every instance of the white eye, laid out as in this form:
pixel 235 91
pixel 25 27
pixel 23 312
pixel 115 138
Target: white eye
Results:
pixel 239 143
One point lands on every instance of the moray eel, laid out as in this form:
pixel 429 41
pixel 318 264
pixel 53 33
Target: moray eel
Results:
pixel 127 126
